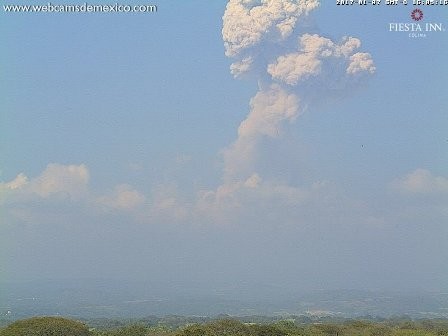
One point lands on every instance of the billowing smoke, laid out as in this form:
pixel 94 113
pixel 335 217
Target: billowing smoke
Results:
pixel 270 108
pixel 251 23
pixel 296 68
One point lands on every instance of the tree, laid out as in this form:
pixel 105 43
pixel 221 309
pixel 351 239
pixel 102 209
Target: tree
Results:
pixel 229 327
pixel 267 330
pixel 132 330
pixel 45 326
pixel 196 330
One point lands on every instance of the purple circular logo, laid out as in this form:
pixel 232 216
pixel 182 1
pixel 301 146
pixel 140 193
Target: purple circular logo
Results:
pixel 417 14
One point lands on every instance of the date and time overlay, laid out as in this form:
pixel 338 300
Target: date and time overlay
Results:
pixel 416 24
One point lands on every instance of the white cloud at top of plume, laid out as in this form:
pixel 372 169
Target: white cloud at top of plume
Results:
pixel 313 51
pixel 247 23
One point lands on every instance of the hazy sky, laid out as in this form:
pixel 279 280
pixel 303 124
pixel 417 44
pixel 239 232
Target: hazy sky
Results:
pixel 130 151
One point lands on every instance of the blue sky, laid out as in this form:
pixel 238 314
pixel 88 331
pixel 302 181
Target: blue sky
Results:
pixel 123 125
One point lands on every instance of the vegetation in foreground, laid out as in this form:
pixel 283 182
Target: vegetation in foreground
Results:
pixel 46 326
pixel 57 326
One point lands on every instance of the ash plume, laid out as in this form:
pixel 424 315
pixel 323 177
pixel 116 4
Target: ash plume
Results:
pixel 295 68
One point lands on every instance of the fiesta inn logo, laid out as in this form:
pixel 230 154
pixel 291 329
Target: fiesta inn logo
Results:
pixel 417 14
pixel 417 29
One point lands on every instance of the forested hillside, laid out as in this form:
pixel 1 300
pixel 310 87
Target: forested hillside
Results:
pixel 56 326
